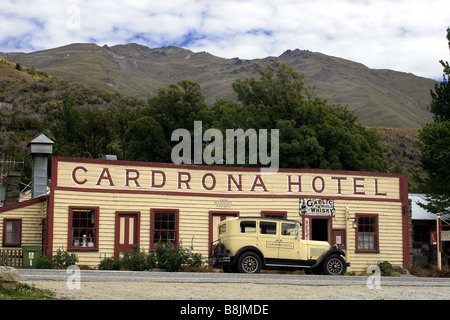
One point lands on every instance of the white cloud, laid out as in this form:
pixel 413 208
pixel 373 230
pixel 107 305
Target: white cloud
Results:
pixel 404 35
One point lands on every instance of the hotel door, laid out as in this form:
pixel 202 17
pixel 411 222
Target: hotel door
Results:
pixel 127 232
pixel 215 217
pixel 320 228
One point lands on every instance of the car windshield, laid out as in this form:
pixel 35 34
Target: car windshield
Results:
pixel 289 229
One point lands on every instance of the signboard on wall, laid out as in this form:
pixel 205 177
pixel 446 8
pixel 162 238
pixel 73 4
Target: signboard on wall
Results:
pixel 317 207
pixel 433 237
pixel 134 177
pixel 445 235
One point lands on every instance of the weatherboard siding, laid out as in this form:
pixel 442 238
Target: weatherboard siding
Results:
pixel 31 213
pixel 92 187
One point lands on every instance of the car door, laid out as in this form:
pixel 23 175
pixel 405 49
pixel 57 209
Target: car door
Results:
pixel 288 241
pixel 267 239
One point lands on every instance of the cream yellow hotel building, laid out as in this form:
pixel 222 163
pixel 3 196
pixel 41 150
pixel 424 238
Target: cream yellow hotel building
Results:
pixel 97 208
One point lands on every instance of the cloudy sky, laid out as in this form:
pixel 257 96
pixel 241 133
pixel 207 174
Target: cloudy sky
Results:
pixel 403 35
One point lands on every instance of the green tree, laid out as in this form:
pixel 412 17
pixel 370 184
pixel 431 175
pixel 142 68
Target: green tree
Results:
pixel 120 119
pixel 435 147
pixel 440 99
pixel 178 106
pixel 313 134
pixel 66 130
pixel 94 131
pixel 81 132
pixel 146 141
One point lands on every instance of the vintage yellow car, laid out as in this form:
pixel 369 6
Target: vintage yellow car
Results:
pixel 248 245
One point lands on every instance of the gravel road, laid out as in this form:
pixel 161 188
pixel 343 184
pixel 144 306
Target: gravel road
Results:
pixel 96 285
pixel 208 291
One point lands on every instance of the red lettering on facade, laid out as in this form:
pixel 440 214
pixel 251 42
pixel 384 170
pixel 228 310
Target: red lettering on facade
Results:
pixel 213 181
pixel 376 189
pixel 163 179
pixel 238 185
pixel 185 181
pixel 314 187
pixel 74 177
pixel 339 179
pixel 338 185
pixel 128 178
pixel 105 175
pixel 358 186
pixel 291 183
pixel 258 182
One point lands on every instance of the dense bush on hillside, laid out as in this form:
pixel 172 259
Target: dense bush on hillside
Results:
pixel 88 122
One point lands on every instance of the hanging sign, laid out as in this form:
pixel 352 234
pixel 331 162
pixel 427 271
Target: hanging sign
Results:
pixel 445 235
pixel 433 237
pixel 317 207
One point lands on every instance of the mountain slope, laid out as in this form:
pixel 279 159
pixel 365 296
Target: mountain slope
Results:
pixel 379 97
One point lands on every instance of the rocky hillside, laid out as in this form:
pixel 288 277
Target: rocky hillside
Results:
pixel 29 100
pixel 379 97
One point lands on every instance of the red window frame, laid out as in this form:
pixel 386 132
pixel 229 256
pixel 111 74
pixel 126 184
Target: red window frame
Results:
pixel 274 214
pixel 162 223
pixel 83 225
pixel 367 233
pixel 7 243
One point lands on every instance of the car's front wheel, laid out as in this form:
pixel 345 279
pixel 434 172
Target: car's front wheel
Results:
pixel 249 262
pixel 334 265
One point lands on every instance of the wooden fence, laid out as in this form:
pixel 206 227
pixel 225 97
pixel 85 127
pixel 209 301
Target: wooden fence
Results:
pixel 11 257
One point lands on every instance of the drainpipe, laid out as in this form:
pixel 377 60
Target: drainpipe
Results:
pixel 438 247
pixel 347 229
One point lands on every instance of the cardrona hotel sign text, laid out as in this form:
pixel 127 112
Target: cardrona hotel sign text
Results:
pixel 186 180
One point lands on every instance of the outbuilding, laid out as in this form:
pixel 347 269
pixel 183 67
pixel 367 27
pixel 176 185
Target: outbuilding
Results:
pixel 427 244
pixel 98 208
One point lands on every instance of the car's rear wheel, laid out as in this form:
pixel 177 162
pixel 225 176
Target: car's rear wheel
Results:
pixel 334 265
pixel 249 262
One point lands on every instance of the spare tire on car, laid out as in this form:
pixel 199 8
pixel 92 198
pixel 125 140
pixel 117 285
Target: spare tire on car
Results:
pixel 218 252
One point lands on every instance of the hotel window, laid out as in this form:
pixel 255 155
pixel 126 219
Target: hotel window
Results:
pixel 164 226
pixel 274 214
pixel 83 228
pixel 12 232
pixel 367 233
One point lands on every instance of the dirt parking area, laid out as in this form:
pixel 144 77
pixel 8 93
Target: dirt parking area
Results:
pixel 244 291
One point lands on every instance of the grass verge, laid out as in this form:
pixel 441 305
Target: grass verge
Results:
pixel 24 291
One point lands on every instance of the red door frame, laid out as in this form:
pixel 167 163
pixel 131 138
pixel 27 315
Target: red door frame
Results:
pixel 137 224
pixel 223 215
pixel 310 217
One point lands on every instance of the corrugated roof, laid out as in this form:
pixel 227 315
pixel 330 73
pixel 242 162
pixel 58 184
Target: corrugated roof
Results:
pixel 419 213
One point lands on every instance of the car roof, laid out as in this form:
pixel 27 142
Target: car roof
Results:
pixel 266 218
